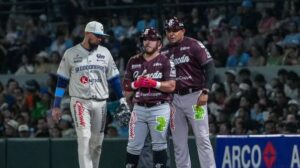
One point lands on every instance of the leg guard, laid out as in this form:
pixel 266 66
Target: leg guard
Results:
pixel 132 160
pixel 160 159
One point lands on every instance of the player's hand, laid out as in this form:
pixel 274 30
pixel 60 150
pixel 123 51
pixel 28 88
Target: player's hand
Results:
pixel 56 114
pixel 150 83
pixel 203 97
pixel 138 83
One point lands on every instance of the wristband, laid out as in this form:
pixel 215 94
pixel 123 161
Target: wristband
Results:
pixel 158 85
pixel 133 86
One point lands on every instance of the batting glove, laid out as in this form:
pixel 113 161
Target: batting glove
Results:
pixel 150 83
pixel 137 83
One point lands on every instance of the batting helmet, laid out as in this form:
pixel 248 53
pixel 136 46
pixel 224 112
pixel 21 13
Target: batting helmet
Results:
pixel 173 24
pixel 150 33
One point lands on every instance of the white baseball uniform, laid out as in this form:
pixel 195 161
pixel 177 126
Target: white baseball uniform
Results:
pixel 88 73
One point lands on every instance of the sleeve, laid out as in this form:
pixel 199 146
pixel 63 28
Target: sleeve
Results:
pixel 128 78
pixel 112 70
pixel 201 53
pixel 64 66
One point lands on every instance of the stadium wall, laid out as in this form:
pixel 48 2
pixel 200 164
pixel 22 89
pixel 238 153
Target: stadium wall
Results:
pixel 62 153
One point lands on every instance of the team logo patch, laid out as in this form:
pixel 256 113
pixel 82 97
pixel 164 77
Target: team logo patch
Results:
pixel 132 122
pixel 84 79
pixel 161 123
pixel 199 112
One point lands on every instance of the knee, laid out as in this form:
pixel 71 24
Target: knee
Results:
pixel 96 141
pixel 159 146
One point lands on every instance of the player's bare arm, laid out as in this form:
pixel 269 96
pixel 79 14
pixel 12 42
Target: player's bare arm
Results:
pixel 167 86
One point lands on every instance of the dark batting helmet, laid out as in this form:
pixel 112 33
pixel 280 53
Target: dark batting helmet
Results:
pixel 151 34
pixel 173 24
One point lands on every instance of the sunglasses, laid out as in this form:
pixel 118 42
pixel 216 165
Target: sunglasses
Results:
pixel 97 35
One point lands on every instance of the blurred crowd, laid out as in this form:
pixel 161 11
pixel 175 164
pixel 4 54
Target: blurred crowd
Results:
pixel 238 35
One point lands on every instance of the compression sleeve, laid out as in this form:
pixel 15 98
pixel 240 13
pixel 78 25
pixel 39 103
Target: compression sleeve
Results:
pixel 209 71
pixel 115 83
pixel 61 86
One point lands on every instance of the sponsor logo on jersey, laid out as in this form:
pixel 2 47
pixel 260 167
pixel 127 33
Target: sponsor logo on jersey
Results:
pixel 134 66
pixel 157 64
pixel 181 60
pixel 84 79
pixel 90 67
pixel 99 56
pixel 155 75
pixel 77 59
pixel 184 77
pixel 184 48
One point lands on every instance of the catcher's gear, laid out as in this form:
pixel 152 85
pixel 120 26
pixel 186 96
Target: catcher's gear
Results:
pixel 123 113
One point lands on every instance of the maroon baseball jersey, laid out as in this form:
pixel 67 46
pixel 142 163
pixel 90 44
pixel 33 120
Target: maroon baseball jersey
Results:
pixel 188 56
pixel 160 69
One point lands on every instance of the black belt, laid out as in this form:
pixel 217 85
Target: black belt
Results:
pixel 150 104
pixel 182 92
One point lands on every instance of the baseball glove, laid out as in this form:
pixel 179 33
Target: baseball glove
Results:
pixel 123 115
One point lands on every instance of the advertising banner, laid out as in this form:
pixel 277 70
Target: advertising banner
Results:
pixel 258 151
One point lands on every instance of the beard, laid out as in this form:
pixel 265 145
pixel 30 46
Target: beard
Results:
pixel 150 51
pixel 93 46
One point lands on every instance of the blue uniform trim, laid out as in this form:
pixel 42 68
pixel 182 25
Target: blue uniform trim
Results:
pixel 61 86
pixel 115 83
pixel 59 92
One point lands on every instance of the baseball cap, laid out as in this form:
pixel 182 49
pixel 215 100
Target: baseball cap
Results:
pixel 96 28
pixel 231 71
pixel 244 86
pixel 293 102
pixel 23 127
pixel 173 24
pixel 13 124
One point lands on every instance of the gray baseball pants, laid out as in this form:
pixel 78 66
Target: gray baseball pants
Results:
pixel 154 119
pixel 185 114
pixel 89 118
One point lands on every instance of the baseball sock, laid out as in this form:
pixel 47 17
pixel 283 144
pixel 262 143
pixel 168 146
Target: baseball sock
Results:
pixel 160 159
pixel 132 160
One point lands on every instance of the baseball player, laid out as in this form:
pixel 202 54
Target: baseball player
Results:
pixel 149 80
pixel 195 71
pixel 88 68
